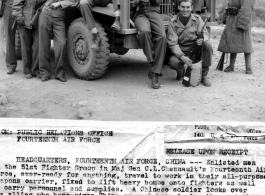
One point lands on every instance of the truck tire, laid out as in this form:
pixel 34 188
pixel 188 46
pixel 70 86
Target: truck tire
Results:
pixel 86 63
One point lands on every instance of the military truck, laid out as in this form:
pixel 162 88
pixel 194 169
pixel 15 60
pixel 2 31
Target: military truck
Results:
pixel 91 64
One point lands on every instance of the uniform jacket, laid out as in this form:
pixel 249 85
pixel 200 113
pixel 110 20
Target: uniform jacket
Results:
pixel 236 37
pixel 181 38
pixel 60 11
pixel 26 9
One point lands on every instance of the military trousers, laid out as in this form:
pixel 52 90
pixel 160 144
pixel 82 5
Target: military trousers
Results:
pixel 10 33
pixel 204 54
pixel 51 27
pixel 85 6
pixel 152 38
pixel 30 50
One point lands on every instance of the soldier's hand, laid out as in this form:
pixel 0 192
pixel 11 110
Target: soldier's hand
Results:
pixel 199 41
pixel 186 60
pixel 55 5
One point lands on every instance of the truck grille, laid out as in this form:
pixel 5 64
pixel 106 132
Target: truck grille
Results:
pixel 166 6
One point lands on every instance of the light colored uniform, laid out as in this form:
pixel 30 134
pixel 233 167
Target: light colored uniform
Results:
pixel 29 35
pixel 51 24
pixel 181 39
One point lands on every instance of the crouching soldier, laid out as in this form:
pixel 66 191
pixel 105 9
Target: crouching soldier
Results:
pixel 182 34
pixel 51 24
pixel 29 34
pixel 85 6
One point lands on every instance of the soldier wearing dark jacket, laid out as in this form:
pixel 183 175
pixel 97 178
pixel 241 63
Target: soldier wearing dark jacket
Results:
pixel 10 33
pixel 29 34
pixel 236 37
pixel 51 24
pixel 85 7
pixel 152 36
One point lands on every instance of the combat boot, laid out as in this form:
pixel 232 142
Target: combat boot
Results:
pixel 249 71
pixel 10 71
pixel 180 74
pixel 116 26
pixel 229 69
pixel 205 81
pixel 154 80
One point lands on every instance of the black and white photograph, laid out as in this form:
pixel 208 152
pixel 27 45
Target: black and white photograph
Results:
pixel 132 97
pixel 133 60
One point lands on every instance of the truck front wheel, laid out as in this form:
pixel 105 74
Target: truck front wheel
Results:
pixel 87 64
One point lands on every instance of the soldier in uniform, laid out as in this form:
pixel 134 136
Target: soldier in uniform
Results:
pixel 51 24
pixel 182 34
pixel 29 35
pixel 10 33
pixel 85 7
pixel 237 37
pixel 198 6
pixel 152 36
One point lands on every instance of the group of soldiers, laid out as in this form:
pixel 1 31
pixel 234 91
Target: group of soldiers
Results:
pixel 180 38
pixel 35 39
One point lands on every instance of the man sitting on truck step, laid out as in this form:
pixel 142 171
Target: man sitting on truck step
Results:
pixel 151 34
pixel 85 6
pixel 152 37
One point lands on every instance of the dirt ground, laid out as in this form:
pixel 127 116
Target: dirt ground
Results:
pixel 124 93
